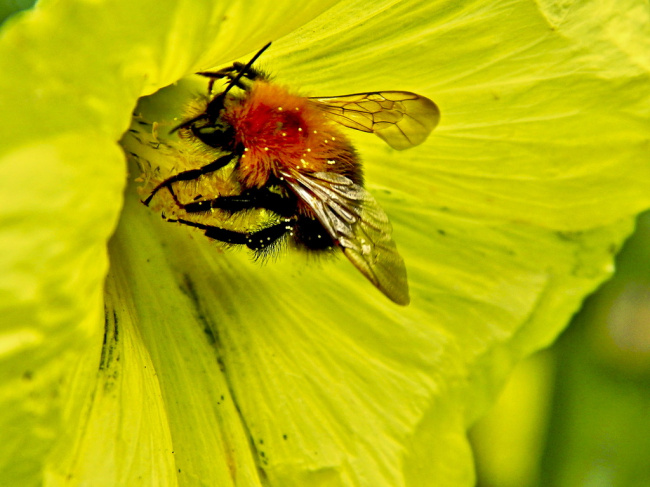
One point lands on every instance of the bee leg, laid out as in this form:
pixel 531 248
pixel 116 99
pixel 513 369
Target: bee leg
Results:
pixel 257 240
pixel 249 199
pixel 222 73
pixel 188 176
pixel 266 237
pixel 231 73
pixel 216 233
pixel 217 75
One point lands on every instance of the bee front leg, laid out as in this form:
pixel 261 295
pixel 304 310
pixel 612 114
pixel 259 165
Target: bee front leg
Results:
pixel 217 75
pixel 231 73
pixel 189 175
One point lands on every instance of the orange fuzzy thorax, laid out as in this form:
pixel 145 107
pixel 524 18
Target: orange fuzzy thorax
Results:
pixel 284 132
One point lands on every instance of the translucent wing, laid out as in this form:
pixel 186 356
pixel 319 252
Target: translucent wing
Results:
pixel 400 118
pixel 353 218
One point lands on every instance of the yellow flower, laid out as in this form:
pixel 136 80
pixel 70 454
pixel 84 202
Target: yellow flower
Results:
pixel 180 364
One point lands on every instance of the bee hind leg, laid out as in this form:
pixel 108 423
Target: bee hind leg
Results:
pixel 258 240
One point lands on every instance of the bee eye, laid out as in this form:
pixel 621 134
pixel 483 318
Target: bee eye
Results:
pixel 217 135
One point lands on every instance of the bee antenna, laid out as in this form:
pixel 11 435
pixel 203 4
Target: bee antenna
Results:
pixel 222 96
pixel 218 100
pixel 243 70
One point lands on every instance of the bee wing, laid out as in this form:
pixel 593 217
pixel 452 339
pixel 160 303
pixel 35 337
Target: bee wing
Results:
pixel 355 220
pixel 401 118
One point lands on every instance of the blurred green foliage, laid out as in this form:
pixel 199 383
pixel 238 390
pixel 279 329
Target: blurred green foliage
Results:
pixel 578 414
pixel 9 7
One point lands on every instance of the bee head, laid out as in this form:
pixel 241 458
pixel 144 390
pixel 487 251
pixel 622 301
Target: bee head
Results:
pixel 215 133
pixel 210 129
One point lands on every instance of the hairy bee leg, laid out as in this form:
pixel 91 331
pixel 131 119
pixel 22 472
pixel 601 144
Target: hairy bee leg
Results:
pixel 258 240
pixel 247 200
pixel 189 175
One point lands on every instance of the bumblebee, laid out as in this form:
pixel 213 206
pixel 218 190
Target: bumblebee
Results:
pixel 287 155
